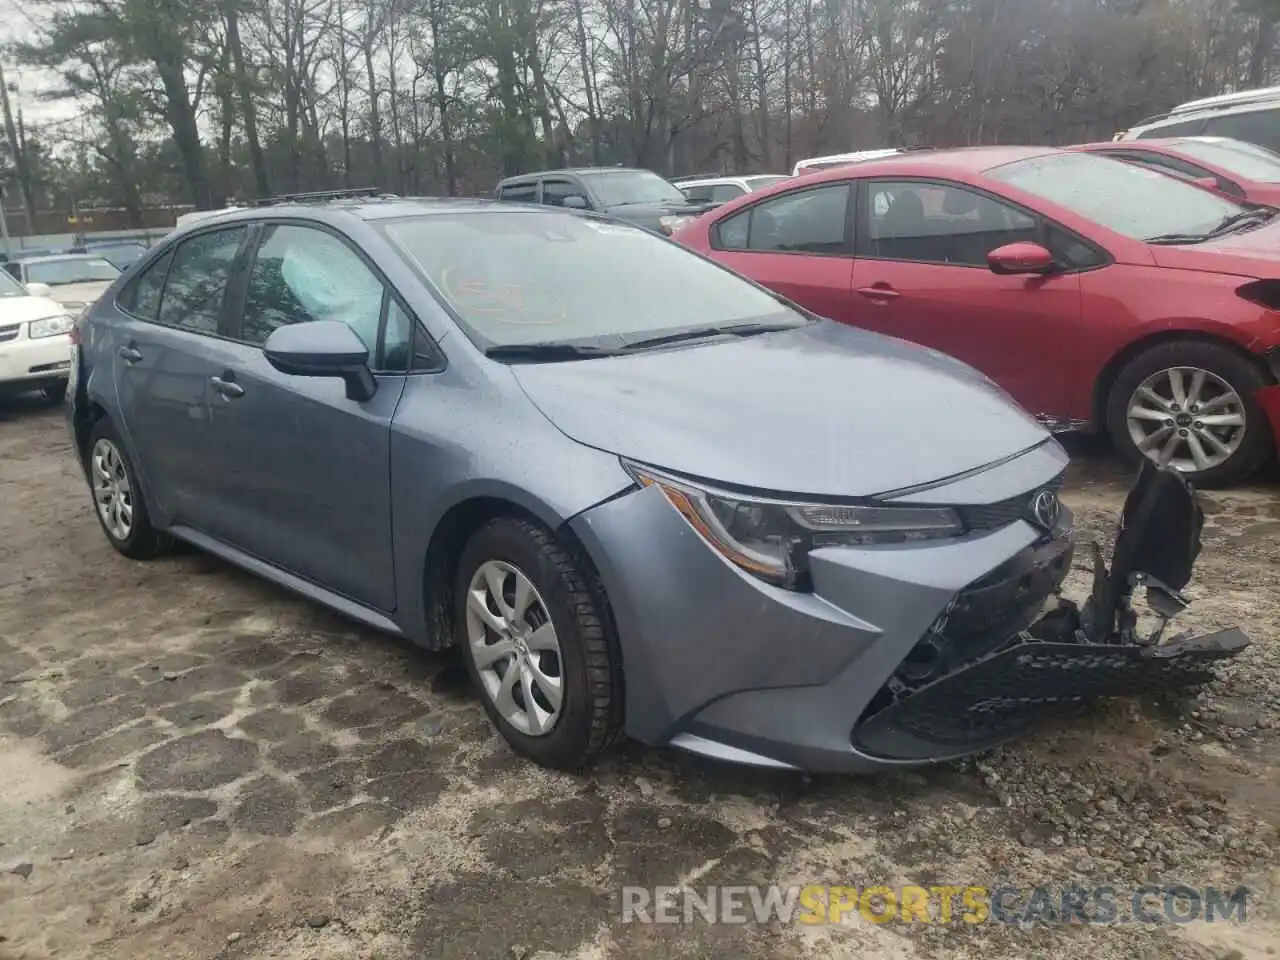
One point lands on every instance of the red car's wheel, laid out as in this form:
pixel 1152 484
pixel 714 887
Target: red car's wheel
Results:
pixel 1189 404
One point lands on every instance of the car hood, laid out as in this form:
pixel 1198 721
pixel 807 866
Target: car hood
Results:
pixel 25 309
pixel 825 410
pixel 1250 253
pixel 79 293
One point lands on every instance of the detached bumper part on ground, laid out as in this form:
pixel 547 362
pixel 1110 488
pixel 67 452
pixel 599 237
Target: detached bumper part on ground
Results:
pixel 897 656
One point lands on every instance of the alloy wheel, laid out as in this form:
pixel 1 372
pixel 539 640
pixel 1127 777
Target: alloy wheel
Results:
pixel 515 648
pixel 112 491
pixel 1187 418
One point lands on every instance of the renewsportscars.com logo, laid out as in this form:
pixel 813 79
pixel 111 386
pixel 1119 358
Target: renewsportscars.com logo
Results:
pixel 971 904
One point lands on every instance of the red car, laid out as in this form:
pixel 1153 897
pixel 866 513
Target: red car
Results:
pixel 1101 295
pixel 1243 171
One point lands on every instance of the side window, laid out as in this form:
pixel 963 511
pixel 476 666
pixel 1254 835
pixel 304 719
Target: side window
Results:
pixel 141 295
pixel 519 193
pixel 731 233
pixel 554 192
pixel 1070 251
pixel 197 280
pixel 302 274
pixel 397 338
pixel 724 192
pixel 806 221
pixel 1259 126
pixel 940 223
pixel 700 194
pixel 1187 128
pixel 15 269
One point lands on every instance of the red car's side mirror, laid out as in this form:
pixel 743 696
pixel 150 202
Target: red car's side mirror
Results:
pixel 1024 257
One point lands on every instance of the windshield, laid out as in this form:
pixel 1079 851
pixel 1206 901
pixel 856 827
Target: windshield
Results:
pixel 538 277
pixel 71 270
pixel 614 188
pixel 759 183
pixel 1246 160
pixel 9 287
pixel 1128 199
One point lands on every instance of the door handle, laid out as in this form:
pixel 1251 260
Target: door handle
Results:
pixel 882 294
pixel 129 354
pixel 228 388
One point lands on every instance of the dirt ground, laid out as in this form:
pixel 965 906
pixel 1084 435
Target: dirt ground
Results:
pixel 196 764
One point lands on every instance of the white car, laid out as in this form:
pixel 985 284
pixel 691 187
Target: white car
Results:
pixel 724 189
pixel 1249 115
pixel 35 341
pixel 841 160
pixel 75 280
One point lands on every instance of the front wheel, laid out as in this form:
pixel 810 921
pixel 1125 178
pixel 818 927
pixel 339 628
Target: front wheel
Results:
pixel 56 393
pixel 1189 404
pixel 537 644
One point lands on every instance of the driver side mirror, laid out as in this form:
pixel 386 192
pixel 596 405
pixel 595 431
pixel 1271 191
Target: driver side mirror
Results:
pixel 1020 258
pixel 575 202
pixel 323 348
pixel 35 289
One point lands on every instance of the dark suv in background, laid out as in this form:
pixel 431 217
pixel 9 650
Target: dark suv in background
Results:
pixel 636 196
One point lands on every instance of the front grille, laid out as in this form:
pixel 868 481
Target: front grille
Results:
pixel 9 332
pixel 993 516
pixel 979 620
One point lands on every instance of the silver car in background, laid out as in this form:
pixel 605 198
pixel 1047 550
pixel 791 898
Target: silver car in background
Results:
pixel 640 494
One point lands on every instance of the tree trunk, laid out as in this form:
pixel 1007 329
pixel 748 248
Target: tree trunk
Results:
pixel 247 107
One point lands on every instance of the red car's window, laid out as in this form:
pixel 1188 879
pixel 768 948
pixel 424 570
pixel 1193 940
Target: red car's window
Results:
pixel 940 223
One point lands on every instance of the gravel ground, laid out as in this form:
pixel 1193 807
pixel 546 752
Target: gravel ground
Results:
pixel 196 764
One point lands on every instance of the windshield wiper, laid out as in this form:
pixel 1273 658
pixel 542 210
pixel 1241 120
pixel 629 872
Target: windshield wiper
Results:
pixel 703 333
pixel 549 352
pixel 1227 224
pixel 1260 214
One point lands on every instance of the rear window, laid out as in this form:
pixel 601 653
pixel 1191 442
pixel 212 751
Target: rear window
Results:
pixel 1123 197
pixel 530 277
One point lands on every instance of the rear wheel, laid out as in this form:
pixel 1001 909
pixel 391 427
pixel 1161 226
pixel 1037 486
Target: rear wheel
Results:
pixel 117 497
pixel 536 642
pixel 1189 404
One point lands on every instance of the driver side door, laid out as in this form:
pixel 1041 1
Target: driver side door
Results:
pixel 922 275
pixel 305 472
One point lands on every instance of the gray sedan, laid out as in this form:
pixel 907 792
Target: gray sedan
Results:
pixel 640 494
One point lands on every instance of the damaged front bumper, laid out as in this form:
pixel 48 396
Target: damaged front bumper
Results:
pixel 998 696
pixel 897 656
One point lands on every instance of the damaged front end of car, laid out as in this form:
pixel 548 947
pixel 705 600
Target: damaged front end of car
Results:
pixel 943 701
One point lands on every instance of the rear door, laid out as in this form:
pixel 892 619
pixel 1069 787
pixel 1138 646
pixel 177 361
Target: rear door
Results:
pixel 922 275
pixel 304 472
pixel 166 345
pixel 799 244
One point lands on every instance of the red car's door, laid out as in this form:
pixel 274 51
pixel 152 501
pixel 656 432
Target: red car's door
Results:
pixel 922 275
pixel 798 244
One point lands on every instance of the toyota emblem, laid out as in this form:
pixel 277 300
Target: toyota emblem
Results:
pixel 1045 508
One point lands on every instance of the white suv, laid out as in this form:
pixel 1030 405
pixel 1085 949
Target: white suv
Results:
pixel 1250 115
pixel 724 189
pixel 35 341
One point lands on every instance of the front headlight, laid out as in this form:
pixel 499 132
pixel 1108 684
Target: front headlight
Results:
pixel 672 222
pixel 50 327
pixel 772 538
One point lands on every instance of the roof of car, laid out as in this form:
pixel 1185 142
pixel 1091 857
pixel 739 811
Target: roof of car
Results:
pixel 53 257
pixel 971 159
pixel 371 208
pixel 562 171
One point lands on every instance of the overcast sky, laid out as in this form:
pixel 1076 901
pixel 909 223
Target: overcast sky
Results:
pixel 18 21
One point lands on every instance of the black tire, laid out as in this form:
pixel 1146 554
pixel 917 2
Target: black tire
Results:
pixel 590 719
pixel 144 541
pixel 1243 376
pixel 56 392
